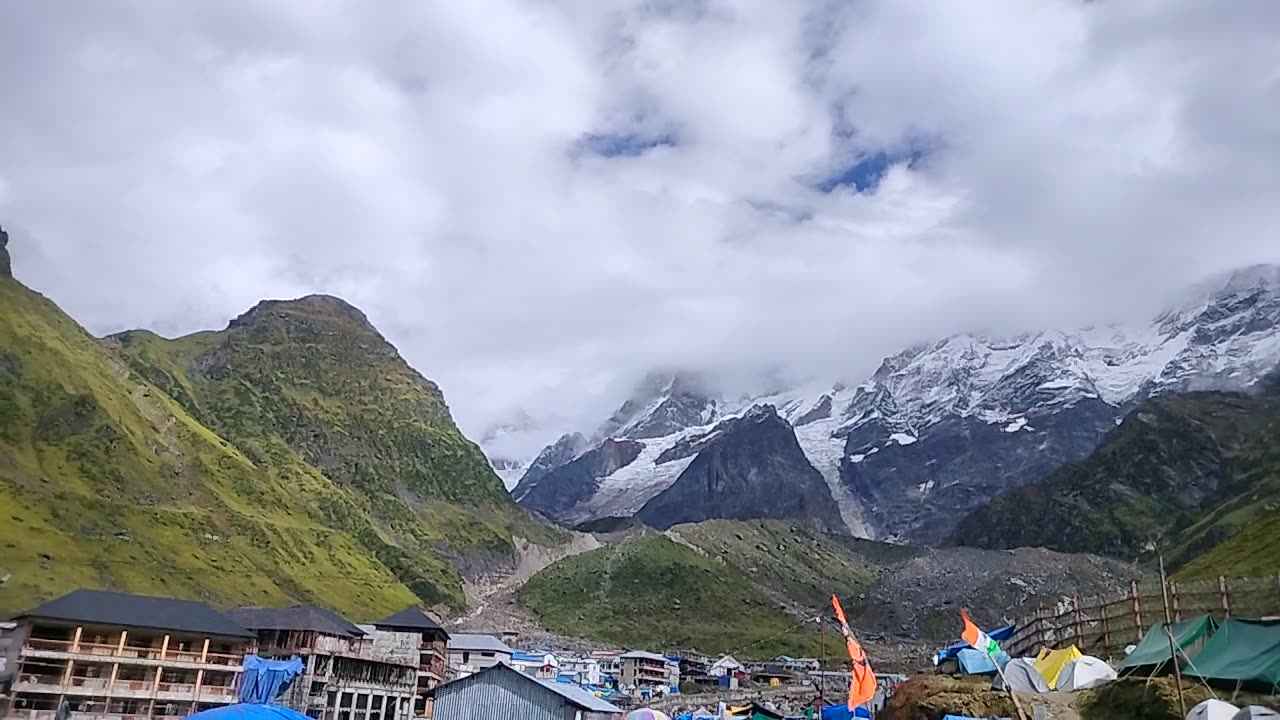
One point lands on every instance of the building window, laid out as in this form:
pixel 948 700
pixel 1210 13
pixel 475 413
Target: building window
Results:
pixel 466 657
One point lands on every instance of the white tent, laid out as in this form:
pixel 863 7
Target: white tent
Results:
pixel 1256 712
pixel 1085 672
pixel 1022 676
pixel 1213 709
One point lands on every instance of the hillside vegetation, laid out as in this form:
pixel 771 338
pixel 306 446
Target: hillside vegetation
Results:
pixel 1199 473
pixel 291 457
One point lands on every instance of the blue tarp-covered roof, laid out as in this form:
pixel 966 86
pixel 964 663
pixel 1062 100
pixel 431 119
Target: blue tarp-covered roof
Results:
pixel 976 662
pixel 264 680
pixel 951 651
pixel 248 711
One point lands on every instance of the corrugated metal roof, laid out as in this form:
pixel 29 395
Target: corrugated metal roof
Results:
pixel 498 673
pixel 478 643
pixel 643 655
pixel 105 607
pixel 298 617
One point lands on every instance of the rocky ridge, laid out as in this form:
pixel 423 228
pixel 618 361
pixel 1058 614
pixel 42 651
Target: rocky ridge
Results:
pixel 942 427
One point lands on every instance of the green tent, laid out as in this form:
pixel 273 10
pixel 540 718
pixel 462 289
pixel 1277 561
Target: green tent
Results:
pixel 1246 651
pixel 1153 651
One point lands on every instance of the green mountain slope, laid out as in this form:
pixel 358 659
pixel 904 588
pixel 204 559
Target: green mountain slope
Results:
pixel 1190 470
pixel 291 457
pixel 651 592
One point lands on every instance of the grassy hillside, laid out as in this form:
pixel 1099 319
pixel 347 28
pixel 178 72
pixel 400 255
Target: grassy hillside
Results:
pixel 1190 470
pixel 242 466
pixel 651 592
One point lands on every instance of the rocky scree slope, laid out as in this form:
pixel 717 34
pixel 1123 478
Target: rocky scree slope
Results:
pixel 1188 471
pixel 291 457
pixel 670 590
pixel 940 428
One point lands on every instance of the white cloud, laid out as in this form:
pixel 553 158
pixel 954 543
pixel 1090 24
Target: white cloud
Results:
pixel 167 165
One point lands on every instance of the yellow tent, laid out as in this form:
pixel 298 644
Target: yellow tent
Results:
pixel 1049 663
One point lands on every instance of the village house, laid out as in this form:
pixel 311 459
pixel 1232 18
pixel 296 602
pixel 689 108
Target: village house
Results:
pixel 639 669
pixel 121 654
pixel 433 650
pixel 472 653
pixel 350 672
pixel 500 691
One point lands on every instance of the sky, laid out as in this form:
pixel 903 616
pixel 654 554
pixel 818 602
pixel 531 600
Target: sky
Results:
pixel 538 202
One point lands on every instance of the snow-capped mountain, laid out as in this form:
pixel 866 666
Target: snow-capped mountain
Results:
pixel 938 429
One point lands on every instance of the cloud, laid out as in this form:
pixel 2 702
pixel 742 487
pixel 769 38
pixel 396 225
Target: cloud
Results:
pixel 539 202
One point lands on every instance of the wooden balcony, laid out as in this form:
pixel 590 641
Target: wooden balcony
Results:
pixel 42 647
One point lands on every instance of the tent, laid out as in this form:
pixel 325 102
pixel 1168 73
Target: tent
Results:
pixel 1085 672
pixel 1212 709
pixel 976 662
pixel 1021 675
pixel 755 711
pixel 1153 652
pixel 1050 662
pixel 1256 712
pixel 1242 651
pixel 951 651
pixel 248 711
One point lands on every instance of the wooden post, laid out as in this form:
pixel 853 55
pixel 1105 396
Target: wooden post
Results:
pixel 204 651
pixel 1226 599
pixel 75 642
pixel 66 674
pixel 120 646
pixel 164 647
pixel 1173 594
pixel 1104 610
pixel 1079 621
pixel 1137 611
pixel 155 684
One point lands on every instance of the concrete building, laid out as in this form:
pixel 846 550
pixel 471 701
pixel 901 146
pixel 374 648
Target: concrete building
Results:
pixel 433 650
pixel 110 653
pixel 472 653
pixel 502 692
pixel 351 672
pixel 639 669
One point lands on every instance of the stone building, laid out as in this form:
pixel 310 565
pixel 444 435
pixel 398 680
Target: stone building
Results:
pixel 433 650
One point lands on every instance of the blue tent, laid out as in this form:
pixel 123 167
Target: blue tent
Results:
pixel 952 651
pixel 249 711
pixel 976 662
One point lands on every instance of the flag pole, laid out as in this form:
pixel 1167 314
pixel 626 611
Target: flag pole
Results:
pixel 1168 631
pixel 1022 714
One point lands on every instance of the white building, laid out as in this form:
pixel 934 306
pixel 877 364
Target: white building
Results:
pixel 471 653
pixel 726 665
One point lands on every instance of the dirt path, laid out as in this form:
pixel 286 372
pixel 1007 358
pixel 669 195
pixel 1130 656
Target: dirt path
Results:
pixel 486 595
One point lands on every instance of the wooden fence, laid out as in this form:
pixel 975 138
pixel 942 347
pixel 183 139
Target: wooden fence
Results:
pixel 1105 625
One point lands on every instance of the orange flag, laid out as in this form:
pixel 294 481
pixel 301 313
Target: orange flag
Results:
pixel 862 685
pixel 977 639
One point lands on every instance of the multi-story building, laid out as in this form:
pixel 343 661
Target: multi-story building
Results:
pixel 433 651
pixel 350 672
pixel 110 653
pixel 473 653
pixel 639 669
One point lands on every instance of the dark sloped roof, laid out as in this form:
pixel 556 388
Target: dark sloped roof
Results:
pixel 410 618
pixel 105 607
pixel 298 617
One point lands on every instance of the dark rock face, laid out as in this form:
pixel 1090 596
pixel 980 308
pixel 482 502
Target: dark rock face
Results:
pixel 685 406
pixel 754 468
pixel 1156 474
pixel 558 491
pixel 6 268
pixel 918 491
pixel 559 453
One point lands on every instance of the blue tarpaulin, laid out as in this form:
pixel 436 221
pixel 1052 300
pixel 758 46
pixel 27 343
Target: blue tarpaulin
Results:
pixel 264 680
pixel 975 662
pixel 248 711
pixel 964 717
pixel 842 712
pixel 951 651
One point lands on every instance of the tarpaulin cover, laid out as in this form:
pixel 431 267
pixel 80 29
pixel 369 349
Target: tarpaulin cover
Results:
pixel 1050 662
pixel 263 680
pixel 248 711
pixel 964 717
pixel 976 662
pixel 1154 648
pixel 1243 651
pixel 951 651
pixel 842 712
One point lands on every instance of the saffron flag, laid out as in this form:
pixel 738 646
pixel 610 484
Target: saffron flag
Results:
pixel 862 684
pixel 977 639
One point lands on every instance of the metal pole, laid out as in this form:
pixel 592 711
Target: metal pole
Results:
pixel 1168 631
